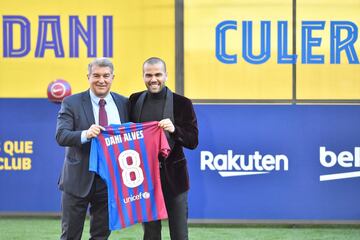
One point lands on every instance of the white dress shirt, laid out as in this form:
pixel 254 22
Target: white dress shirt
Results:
pixel 111 112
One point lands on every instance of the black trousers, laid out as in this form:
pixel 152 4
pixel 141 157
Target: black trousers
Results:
pixel 74 212
pixel 177 209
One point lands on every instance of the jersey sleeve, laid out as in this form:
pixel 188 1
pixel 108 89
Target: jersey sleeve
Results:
pixel 93 160
pixel 164 145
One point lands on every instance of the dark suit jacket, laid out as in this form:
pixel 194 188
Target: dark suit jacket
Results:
pixel 76 115
pixel 180 110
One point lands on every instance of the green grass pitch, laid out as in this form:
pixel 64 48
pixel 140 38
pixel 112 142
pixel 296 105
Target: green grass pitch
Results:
pixel 40 228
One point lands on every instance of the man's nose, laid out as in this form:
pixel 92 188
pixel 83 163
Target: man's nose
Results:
pixel 153 78
pixel 103 78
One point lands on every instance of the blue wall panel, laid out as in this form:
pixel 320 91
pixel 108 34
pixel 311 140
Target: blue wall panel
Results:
pixel 297 132
pixel 294 191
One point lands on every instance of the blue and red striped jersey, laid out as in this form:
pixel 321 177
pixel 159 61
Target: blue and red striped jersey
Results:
pixel 126 158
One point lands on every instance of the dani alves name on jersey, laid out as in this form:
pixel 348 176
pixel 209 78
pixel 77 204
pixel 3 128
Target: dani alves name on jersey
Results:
pixel 126 157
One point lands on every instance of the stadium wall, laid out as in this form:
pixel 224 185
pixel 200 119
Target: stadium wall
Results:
pixel 278 123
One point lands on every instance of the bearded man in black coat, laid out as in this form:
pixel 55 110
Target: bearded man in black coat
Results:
pixel 176 116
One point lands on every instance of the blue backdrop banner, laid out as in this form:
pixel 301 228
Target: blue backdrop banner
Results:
pixel 30 159
pixel 276 162
pixel 253 162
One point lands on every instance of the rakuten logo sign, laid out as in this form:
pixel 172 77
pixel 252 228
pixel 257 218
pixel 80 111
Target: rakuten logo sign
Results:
pixel 230 164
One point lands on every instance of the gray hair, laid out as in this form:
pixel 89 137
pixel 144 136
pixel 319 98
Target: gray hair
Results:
pixel 101 62
pixel 153 61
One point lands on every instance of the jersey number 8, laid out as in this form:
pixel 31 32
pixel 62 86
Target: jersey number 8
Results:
pixel 134 167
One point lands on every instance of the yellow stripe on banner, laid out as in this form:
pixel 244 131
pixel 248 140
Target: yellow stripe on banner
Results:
pixel 328 81
pixel 208 78
pixel 235 77
pixel 140 29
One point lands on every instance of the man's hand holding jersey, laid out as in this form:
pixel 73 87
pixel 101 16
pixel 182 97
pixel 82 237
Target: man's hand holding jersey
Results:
pixel 167 125
pixel 94 131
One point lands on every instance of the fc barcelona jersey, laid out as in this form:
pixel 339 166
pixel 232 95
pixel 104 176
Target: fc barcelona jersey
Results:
pixel 126 158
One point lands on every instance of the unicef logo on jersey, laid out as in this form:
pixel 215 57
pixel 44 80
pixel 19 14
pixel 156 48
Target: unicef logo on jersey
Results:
pixel 146 195
pixel 141 195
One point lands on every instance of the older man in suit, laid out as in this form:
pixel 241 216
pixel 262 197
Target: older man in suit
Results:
pixel 81 118
pixel 176 116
